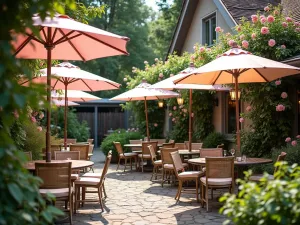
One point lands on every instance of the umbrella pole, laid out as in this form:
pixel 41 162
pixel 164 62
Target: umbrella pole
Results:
pixel 238 134
pixel 49 48
pixel 65 115
pixel 147 125
pixel 190 120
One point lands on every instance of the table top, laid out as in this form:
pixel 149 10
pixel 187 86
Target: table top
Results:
pixel 186 152
pixel 138 145
pixel 44 154
pixel 249 161
pixel 76 164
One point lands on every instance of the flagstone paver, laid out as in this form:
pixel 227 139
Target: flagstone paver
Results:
pixel 134 200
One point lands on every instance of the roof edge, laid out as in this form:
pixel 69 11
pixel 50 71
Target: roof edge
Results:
pixel 225 13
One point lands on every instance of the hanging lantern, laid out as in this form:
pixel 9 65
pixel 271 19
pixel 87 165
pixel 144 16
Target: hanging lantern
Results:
pixel 180 100
pixel 160 104
pixel 232 94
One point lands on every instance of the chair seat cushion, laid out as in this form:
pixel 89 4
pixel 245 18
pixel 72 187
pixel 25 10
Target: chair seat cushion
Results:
pixel 74 176
pixel 191 174
pixel 217 181
pixel 128 154
pixel 59 192
pixel 92 181
pixel 95 175
pixel 158 162
pixel 170 166
pixel 145 156
pixel 257 177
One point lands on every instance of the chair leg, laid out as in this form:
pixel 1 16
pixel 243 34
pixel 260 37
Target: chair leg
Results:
pixel 71 208
pixel 153 172
pixel 212 193
pixel 163 177
pixel 125 159
pixel 136 161
pixel 100 198
pixel 202 194
pixel 197 189
pixel 180 189
pixel 206 197
pixel 130 163
pixel 119 162
pixel 142 165
pixel 76 199
pixel 103 189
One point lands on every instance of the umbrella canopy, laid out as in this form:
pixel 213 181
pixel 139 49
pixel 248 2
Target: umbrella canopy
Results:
pixel 59 103
pixel 63 38
pixel 168 84
pixel 238 66
pixel 143 92
pixel 74 95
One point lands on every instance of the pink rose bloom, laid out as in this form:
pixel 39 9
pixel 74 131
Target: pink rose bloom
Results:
pixel 271 42
pixel 161 75
pixel 298 136
pixel 276 12
pixel 155 124
pixel 267 9
pixel 264 30
pixel 297 24
pixel 39 128
pixel 284 24
pixel 253 36
pixel 245 44
pixel 125 79
pixel 248 108
pixel 192 57
pixel 284 95
pixel 242 120
pixel 242 37
pixel 145 62
pixel 254 18
pixel 288 139
pixel 171 75
pixel 230 43
pixel 280 108
pixel 297 29
pixel 41 116
pixel 270 19
pixel 146 69
pixel 208 49
pixel 174 107
pixel 283 46
pixel 239 28
pixel 180 107
pixel 288 19
pixel 262 16
pixel 294 143
pixel 278 82
pixel 195 47
pixel 218 29
pixel 33 119
pixel 16 114
pixel 173 119
pixel 263 20
pixel 170 114
pixel 192 115
pixel 202 49
pixel 185 110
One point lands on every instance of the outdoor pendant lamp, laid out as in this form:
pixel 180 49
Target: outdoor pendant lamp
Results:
pixel 180 100
pixel 232 94
pixel 160 104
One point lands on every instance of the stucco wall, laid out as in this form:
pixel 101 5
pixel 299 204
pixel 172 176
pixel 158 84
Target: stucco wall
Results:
pixel 204 9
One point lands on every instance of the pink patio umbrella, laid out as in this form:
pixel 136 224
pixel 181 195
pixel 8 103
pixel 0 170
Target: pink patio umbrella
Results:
pixel 63 38
pixel 168 84
pixel 242 67
pixel 66 75
pixel 143 92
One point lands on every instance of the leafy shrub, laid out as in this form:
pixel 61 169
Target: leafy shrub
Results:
pixel 292 156
pixel 121 136
pixel 267 202
pixel 214 139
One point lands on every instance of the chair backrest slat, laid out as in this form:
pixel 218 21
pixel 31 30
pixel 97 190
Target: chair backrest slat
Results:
pixel 211 152
pixel 54 175
pixel 118 147
pixel 135 142
pixel 152 153
pixel 195 146
pixel 91 148
pixel 145 149
pixel 168 145
pixel 166 156
pixel 219 167
pixel 73 155
pixel 180 146
pixel 82 148
pixel 177 163
pixel 105 168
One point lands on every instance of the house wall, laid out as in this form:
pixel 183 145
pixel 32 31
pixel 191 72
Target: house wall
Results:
pixel 204 9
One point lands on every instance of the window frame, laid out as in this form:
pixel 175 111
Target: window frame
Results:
pixel 204 20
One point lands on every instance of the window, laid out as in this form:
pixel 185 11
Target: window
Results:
pixel 230 115
pixel 208 30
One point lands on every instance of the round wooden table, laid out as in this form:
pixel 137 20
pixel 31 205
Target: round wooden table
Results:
pixel 76 164
pixel 248 162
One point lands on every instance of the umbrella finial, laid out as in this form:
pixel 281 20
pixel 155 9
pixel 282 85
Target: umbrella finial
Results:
pixel 234 45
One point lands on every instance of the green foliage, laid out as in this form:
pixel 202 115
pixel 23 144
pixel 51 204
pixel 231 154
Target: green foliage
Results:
pixel 292 156
pixel 267 202
pixel 213 140
pixel 121 136
pixel 77 130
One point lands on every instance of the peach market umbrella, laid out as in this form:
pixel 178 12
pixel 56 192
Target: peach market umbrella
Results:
pixel 66 75
pixel 168 84
pixel 143 92
pixel 242 67
pixel 73 95
pixel 63 38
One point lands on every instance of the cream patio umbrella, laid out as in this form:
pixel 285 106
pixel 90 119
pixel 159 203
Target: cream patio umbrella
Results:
pixel 68 76
pixel 241 67
pixel 168 84
pixel 63 38
pixel 142 92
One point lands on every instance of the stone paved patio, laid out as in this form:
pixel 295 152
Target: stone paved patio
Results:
pixel 133 199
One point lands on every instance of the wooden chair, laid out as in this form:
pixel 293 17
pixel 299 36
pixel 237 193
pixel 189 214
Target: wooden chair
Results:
pixel 180 146
pixel 159 141
pixel 82 148
pixel 53 149
pixel 91 182
pixel 146 152
pixel 183 176
pixel 135 142
pixel 211 152
pixel 257 177
pixel 125 156
pixel 57 181
pixel 167 164
pixel 71 141
pixel 168 145
pixel 28 156
pixel 219 174
pixel 195 146
pixel 90 141
pixel 157 164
